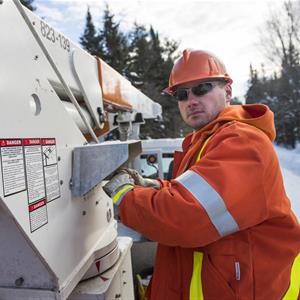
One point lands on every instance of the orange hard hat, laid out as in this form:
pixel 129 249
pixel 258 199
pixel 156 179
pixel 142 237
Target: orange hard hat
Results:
pixel 196 65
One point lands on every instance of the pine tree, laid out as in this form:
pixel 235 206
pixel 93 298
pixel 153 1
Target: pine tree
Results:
pixel 151 62
pixel 174 126
pixel 282 90
pixel 89 39
pixel 146 61
pixel 278 94
pixel 235 101
pixel 156 57
pixel 28 4
pixel 113 42
pixel 138 63
pixel 255 92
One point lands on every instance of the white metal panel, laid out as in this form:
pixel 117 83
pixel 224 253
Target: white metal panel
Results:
pixel 165 145
pixel 26 294
pixel 116 283
pixel 18 265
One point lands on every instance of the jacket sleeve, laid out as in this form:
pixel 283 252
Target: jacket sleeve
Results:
pixel 221 194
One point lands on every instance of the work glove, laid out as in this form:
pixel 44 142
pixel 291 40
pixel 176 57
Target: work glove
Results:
pixel 117 183
pixel 139 180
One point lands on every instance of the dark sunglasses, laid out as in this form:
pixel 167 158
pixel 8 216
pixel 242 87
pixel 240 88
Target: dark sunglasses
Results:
pixel 200 89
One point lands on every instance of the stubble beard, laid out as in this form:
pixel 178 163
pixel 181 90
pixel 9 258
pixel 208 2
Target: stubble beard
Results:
pixel 201 122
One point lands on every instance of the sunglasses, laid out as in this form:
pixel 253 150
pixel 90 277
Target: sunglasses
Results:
pixel 200 89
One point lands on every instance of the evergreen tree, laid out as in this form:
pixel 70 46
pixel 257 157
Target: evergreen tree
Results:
pixel 235 101
pixel 145 59
pixel 156 57
pixel 281 91
pixel 256 89
pixel 151 61
pixel 89 39
pixel 277 93
pixel 113 42
pixel 28 4
pixel 138 63
pixel 174 125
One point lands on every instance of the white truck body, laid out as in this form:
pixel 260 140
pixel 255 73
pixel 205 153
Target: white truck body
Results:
pixel 56 223
pixel 163 149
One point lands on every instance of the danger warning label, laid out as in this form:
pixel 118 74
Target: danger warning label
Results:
pixel 30 165
pixel 34 170
pixel 38 214
pixel 50 169
pixel 12 166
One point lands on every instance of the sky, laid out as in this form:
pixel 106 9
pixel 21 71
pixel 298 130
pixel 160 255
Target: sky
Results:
pixel 230 29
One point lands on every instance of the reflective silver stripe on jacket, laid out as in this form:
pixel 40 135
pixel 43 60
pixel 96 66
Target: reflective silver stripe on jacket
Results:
pixel 211 201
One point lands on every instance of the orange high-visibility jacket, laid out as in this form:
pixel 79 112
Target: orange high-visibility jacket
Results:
pixel 224 223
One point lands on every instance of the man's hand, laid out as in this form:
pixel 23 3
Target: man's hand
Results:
pixel 119 181
pixel 139 180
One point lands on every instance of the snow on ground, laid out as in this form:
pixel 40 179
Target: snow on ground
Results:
pixel 290 167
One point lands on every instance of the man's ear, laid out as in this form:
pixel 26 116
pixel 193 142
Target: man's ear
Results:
pixel 228 93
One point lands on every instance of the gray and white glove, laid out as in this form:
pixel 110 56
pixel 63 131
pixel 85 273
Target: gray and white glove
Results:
pixel 117 183
pixel 139 180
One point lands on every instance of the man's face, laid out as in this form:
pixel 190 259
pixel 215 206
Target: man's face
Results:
pixel 197 111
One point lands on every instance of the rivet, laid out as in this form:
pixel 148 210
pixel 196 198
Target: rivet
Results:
pixel 19 281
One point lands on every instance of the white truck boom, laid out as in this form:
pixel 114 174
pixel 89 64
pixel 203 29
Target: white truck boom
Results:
pixel 58 237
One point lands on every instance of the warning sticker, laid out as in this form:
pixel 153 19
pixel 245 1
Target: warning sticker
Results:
pixel 50 169
pixel 49 152
pixel 12 166
pixel 31 164
pixel 34 170
pixel 38 214
pixel 52 184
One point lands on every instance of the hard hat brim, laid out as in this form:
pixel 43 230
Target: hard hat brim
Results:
pixel 171 89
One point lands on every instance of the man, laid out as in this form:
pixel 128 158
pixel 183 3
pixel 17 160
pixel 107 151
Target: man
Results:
pixel 224 223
